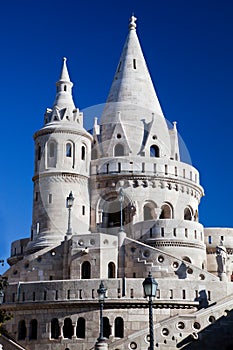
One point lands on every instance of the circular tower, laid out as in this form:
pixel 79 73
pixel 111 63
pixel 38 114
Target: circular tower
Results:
pixel 137 154
pixel 62 149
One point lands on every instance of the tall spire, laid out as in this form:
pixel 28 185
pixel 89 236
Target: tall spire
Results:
pixel 64 71
pixel 64 97
pixel 132 92
pixel 132 82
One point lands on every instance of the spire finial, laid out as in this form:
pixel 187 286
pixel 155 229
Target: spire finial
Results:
pixel 174 125
pixel 132 24
pixel 64 71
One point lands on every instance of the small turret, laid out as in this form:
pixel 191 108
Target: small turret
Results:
pixel 175 152
pixel 62 156
pixel 63 107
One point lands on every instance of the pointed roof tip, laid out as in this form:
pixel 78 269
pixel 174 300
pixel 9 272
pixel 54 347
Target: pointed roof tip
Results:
pixel 64 71
pixel 132 24
pixel 175 125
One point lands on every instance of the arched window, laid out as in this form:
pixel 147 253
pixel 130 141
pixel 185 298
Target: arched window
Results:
pixel 196 216
pixel 51 149
pixel 22 330
pixel 55 329
pixel 166 212
pixel 187 214
pixel 68 150
pixel 119 150
pixel 81 328
pixel 65 87
pixel 154 151
pixel 83 152
pixel 119 327
pixel 106 327
pixel 86 270
pixel 111 270
pixel 33 329
pixel 68 329
pixel 147 212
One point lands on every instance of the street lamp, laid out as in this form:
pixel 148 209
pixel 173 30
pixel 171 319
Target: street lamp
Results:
pixel 121 199
pixel 102 295
pixel 101 344
pixel 150 287
pixel 69 205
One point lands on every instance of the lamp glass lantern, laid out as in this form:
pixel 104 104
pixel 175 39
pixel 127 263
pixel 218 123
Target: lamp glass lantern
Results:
pixel 70 200
pixel 150 286
pixel 101 292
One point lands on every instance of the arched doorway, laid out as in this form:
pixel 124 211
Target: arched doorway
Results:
pixel 110 207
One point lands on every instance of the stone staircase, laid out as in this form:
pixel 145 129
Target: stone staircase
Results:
pixel 210 328
pixel 8 343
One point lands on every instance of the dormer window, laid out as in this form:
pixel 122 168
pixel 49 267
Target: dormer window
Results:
pixel 154 151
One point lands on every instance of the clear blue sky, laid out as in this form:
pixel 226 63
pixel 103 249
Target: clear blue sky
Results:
pixel 188 46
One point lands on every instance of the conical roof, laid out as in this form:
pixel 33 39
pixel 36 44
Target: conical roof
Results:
pixel 64 97
pixel 131 72
pixel 132 93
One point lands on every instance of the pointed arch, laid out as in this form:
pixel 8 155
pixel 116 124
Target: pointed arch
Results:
pixel 33 329
pixel 81 328
pixel 111 270
pixel 55 329
pixel 119 150
pixel 119 327
pixel 166 211
pixel 86 270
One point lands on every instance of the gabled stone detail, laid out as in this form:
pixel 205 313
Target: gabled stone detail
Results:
pixel 118 137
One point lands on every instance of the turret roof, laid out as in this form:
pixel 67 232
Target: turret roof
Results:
pixel 132 71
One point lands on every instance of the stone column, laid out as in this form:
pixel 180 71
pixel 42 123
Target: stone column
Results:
pixel 74 330
pixel 101 345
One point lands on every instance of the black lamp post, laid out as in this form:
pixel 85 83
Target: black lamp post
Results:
pixel 102 295
pixel 150 287
pixel 69 205
pixel 121 199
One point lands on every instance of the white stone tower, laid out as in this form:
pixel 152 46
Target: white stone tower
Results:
pixel 62 149
pixel 135 150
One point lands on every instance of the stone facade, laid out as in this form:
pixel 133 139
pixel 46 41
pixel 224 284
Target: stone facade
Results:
pixel 135 211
